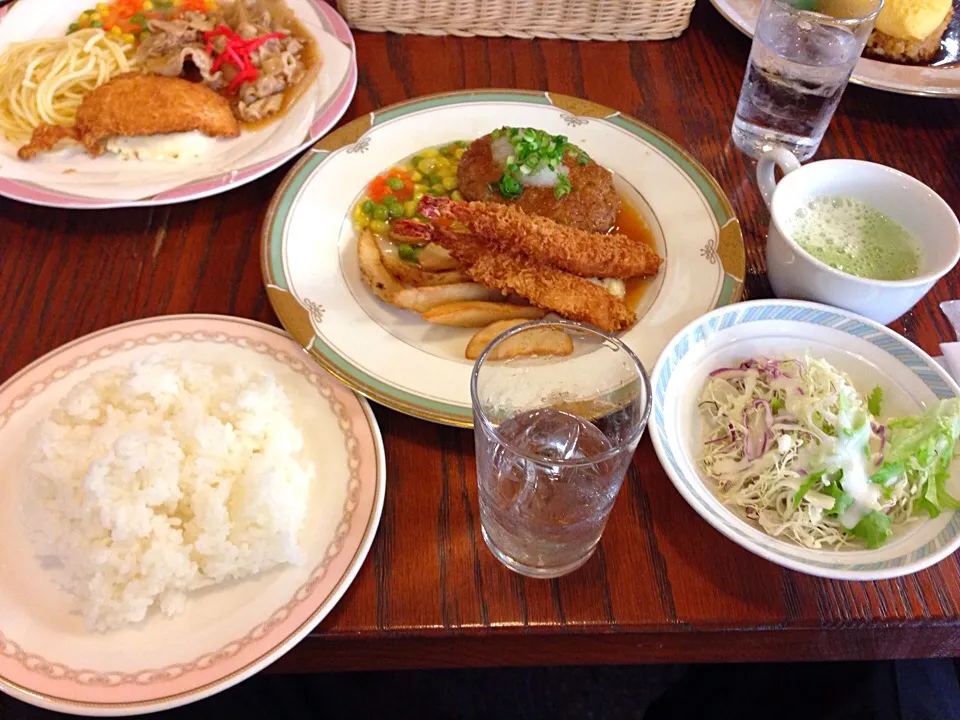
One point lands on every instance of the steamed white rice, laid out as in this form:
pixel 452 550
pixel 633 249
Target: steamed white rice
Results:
pixel 152 480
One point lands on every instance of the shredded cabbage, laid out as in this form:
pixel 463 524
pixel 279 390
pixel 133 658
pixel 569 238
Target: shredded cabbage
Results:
pixel 794 445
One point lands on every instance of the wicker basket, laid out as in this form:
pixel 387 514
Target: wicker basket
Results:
pixel 570 19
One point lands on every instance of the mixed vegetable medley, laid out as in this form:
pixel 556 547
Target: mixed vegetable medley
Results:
pixel 395 193
pixel 128 19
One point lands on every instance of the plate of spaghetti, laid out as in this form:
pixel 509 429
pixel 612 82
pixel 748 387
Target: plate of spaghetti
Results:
pixel 153 102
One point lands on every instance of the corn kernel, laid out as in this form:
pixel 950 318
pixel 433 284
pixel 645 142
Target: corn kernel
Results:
pixel 115 30
pixel 147 5
pixel 95 16
pixel 410 208
pixel 102 8
pixel 459 153
pixel 416 176
pixel 430 153
pixel 128 38
pixel 450 183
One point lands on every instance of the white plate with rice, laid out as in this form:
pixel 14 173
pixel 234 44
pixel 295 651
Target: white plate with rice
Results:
pixel 183 499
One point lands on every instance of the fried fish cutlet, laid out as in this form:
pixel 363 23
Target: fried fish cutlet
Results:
pixel 138 104
pixel 576 251
pixel 546 287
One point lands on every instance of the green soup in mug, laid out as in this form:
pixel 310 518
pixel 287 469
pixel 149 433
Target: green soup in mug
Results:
pixel 855 238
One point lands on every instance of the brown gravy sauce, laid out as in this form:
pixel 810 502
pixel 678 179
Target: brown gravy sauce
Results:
pixel 629 222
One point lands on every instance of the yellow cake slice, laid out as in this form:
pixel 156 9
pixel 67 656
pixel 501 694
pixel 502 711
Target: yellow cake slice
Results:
pixel 909 31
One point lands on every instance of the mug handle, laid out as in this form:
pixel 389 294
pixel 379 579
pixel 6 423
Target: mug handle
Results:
pixel 771 160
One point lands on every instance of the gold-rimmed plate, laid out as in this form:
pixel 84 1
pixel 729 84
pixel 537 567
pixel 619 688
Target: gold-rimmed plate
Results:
pixel 309 251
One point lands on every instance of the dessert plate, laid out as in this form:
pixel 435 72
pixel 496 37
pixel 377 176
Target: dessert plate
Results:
pixel 923 80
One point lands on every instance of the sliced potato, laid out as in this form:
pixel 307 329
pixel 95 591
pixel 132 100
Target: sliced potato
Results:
pixel 436 257
pixel 423 299
pixel 384 285
pixel 484 335
pixel 477 313
pixel 535 341
pixel 410 274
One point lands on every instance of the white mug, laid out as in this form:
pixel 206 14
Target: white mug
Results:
pixel 795 273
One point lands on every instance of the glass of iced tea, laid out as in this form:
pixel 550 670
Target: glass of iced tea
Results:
pixel 558 411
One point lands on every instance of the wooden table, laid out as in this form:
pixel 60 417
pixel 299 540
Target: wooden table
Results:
pixel 664 585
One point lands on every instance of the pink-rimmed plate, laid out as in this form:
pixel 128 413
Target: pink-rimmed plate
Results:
pixel 71 179
pixel 226 633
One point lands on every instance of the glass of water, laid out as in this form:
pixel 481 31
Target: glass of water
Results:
pixel 801 60
pixel 554 435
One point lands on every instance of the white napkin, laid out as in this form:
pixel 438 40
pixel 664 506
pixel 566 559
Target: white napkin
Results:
pixel 951 359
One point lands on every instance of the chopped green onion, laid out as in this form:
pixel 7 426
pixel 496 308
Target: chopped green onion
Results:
pixel 533 150
pixel 509 186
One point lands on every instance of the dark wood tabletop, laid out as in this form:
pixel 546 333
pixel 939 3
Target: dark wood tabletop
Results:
pixel 664 585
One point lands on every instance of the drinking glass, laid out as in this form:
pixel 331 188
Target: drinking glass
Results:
pixel 800 62
pixel 554 436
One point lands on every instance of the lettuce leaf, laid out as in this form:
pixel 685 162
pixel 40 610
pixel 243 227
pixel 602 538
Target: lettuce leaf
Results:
pixel 811 480
pixel 923 447
pixel 874 528
pixel 874 401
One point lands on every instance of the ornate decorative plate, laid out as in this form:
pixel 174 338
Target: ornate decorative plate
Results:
pixel 226 633
pixel 71 179
pixel 869 353
pixel 309 255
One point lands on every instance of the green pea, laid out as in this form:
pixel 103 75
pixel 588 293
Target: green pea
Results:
pixel 389 200
pixel 415 160
pixel 438 189
pixel 381 212
pixel 461 143
pixel 450 183
pixel 456 195
pixel 433 178
pixel 446 151
pixel 368 206
pixel 96 24
pixel 73 27
pixel 394 183
pixel 396 210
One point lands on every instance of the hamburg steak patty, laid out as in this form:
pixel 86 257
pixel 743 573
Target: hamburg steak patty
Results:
pixel 591 204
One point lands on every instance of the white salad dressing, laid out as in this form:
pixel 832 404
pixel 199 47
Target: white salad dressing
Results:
pixel 849 457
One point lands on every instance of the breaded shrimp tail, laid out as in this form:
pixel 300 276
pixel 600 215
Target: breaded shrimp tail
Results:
pixel 579 252
pixel 547 287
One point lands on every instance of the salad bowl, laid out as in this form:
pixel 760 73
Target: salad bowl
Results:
pixel 869 354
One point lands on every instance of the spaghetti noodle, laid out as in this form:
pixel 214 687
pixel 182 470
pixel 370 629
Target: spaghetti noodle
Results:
pixel 44 81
